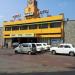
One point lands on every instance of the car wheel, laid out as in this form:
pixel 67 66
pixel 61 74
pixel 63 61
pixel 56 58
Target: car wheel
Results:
pixel 29 53
pixel 71 53
pixel 16 52
pixel 53 52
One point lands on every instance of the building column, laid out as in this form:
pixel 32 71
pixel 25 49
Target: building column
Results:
pixel 8 43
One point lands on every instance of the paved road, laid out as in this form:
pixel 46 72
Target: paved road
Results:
pixel 43 64
pixel 42 73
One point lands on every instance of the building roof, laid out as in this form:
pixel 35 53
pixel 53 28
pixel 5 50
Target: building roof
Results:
pixel 35 20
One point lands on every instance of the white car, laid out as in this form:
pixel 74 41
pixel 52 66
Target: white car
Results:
pixel 63 49
pixel 39 47
pixel 45 46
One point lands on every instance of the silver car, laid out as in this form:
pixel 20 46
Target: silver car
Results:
pixel 28 48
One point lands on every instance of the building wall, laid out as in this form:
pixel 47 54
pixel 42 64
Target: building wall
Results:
pixel 1 37
pixel 69 29
pixel 49 29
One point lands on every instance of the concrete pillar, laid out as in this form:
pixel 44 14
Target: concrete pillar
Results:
pixel 9 43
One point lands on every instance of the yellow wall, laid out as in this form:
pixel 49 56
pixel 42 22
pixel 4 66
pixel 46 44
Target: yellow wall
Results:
pixel 35 31
pixel 47 32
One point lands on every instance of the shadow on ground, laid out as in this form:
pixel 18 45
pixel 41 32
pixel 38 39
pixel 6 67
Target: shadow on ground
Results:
pixel 73 68
pixel 42 73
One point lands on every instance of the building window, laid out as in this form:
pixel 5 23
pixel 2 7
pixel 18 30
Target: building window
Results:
pixel 55 25
pixel 15 28
pixel 25 27
pixel 32 26
pixel 7 28
pixel 43 26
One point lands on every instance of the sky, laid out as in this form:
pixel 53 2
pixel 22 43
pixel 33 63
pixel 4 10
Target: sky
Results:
pixel 8 8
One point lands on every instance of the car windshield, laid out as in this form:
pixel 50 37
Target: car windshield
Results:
pixel 24 45
pixel 44 44
pixel 15 43
pixel 38 44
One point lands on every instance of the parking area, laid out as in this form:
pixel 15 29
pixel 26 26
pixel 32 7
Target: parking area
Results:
pixel 43 62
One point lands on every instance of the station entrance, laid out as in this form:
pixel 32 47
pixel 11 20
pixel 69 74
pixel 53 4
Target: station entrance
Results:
pixel 24 40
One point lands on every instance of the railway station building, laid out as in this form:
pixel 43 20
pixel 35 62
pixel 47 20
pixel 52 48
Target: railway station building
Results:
pixel 34 28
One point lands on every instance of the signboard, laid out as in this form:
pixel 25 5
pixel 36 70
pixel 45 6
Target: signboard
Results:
pixel 28 35
pixel 22 35
pixel 29 14
pixel 55 41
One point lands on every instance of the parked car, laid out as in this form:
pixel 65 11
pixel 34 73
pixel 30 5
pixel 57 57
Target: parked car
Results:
pixel 28 48
pixel 15 44
pixel 45 46
pixel 48 46
pixel 63 49
pixel 39 47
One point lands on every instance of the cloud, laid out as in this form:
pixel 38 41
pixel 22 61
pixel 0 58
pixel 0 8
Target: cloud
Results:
pixel 1 16
pixel 63 4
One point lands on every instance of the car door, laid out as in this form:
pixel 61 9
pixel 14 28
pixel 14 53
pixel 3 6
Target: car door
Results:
pixel 60 49
pixel 21 48
pixel 66 50
pixel 33 48
pixel 25 48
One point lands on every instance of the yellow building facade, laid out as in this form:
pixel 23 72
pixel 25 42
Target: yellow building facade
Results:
pixel 34 28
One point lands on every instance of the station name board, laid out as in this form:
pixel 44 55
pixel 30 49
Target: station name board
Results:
pixel 22 35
